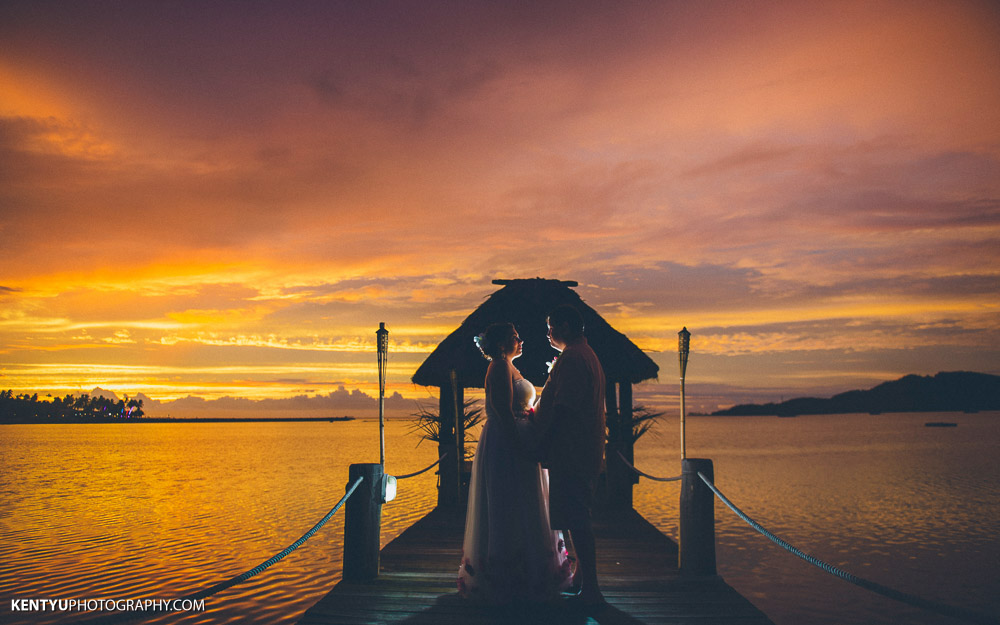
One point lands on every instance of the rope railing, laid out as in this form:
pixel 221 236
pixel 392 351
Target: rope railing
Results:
pixel 646 475
pixel 242 577
pixel 426 469
pixel 964 614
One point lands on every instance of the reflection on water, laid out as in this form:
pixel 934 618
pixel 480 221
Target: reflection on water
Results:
pixel 882 497
pixel 155 511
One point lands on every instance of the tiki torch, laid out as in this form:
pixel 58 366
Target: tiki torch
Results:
pixel 383 352
pixel 683 347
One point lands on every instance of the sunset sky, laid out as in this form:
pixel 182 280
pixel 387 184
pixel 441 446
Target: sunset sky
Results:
pixel 223 199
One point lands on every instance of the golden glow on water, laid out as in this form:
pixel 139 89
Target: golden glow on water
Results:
pixel 161 510
pixel 882 497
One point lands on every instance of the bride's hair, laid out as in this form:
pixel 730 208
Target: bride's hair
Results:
pixel 492 341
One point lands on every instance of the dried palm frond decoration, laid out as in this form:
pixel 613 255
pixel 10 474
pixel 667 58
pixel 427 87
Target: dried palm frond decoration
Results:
pixel 427 422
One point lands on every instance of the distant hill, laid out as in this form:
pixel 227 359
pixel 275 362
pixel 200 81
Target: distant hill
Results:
pixel 944 392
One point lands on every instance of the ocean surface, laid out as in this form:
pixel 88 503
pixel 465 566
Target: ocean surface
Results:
pixel 158 511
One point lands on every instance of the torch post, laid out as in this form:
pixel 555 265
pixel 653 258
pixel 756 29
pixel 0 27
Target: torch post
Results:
pixel 683 347
pixel 382 336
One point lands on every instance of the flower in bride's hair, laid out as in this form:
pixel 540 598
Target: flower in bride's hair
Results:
pixel 480 340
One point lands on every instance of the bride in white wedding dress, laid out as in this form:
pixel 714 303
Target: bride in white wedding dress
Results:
pixel 510 553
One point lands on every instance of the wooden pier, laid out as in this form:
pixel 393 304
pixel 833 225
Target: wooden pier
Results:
pixel 637 568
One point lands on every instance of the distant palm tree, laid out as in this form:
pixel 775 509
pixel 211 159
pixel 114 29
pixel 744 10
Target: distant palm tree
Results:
pixel 135 408
pixel 82 404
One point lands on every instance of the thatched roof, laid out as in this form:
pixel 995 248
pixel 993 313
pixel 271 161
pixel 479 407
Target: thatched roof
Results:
pixel 526 303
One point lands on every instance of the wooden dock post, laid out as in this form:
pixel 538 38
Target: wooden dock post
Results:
pixel 449 485
pixel 696 555
pixel 363 523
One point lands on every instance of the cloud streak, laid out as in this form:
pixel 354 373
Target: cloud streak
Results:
pixel 190 186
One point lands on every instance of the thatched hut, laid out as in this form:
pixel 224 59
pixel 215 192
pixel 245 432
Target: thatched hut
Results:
pixel 456 364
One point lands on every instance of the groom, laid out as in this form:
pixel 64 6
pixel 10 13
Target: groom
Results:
pixel 570 420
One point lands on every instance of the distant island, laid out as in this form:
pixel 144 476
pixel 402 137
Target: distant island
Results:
pixel 956 391
pixel 26 409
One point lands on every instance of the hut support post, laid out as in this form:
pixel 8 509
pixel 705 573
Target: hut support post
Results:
pixel 619 479
pixel 448 469
pixel 458 396
pixel 628 445
pixel 363 523
pixel 696 555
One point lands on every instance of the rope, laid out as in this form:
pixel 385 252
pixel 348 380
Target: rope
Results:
pixel 408 475
pixel 229 583
pixel 964 614
pixel 646 475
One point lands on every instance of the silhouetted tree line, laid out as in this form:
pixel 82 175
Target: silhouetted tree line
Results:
pixel 26 408
pixel 944 392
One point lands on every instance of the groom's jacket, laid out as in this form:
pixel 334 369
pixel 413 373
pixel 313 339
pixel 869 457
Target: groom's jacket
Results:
pixel 571 413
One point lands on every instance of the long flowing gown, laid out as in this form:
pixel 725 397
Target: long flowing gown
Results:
pixel 510 553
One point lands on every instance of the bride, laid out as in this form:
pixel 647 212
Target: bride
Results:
pixel 510 553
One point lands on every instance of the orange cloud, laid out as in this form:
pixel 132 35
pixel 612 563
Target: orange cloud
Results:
pixel 770 174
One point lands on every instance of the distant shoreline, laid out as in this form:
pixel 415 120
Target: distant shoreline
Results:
pixel 947 391
pixel 176 420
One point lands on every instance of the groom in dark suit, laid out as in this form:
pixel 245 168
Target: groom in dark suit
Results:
pixel 570 419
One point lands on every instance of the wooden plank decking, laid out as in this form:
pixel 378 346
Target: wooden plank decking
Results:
pixel 637 568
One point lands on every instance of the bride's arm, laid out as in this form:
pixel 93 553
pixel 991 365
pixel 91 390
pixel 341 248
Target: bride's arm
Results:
pixel 501 395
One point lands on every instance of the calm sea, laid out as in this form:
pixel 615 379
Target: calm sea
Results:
pixel 157 511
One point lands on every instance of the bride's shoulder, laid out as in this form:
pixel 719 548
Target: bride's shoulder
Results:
pixel 500 368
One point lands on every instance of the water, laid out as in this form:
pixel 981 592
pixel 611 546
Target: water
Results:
pixel 882 497
pixel 155 511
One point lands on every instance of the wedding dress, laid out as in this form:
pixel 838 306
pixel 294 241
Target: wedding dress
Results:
pixel 510 553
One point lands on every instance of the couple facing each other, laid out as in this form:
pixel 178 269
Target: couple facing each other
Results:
pixel 519 510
